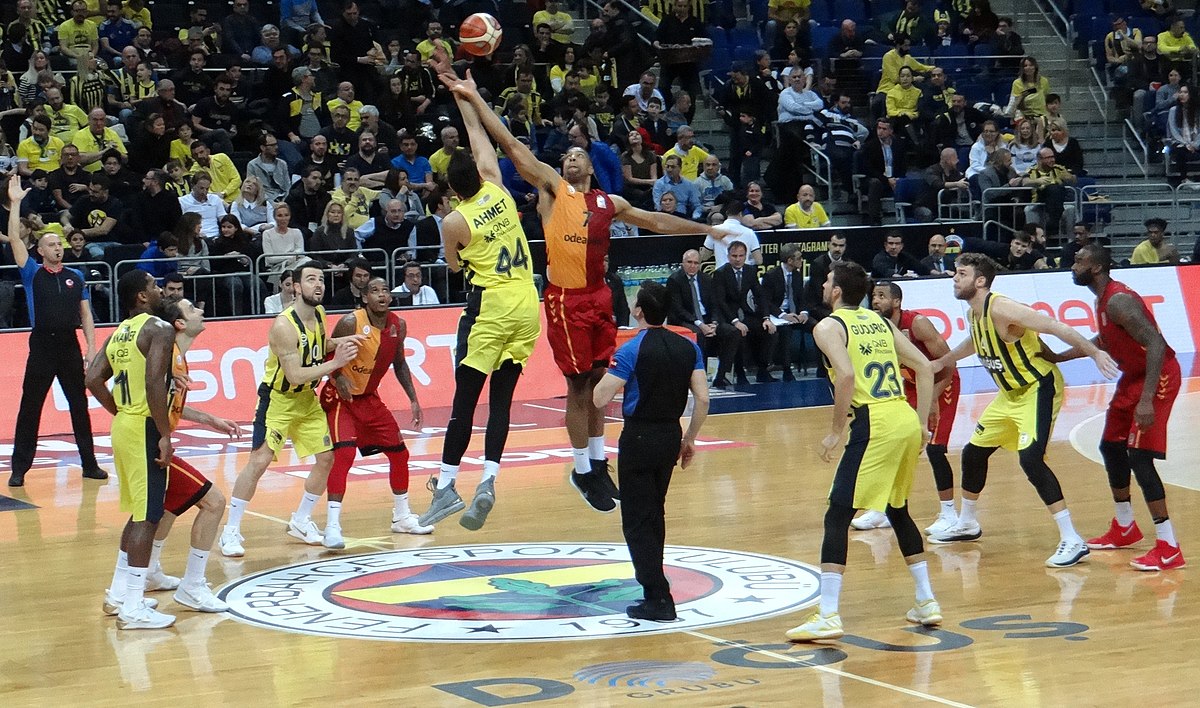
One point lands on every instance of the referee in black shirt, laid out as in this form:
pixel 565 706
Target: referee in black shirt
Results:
pixel 657 368
pixel 58 305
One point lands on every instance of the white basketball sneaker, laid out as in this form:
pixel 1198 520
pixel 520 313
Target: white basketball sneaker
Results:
pixel 144 617
pixel 200 598
pixel 112 603
pixel 409 523
pixel 304 529
pixel 927 614
pixel 871 520
pixel 231 543
pixel 333 538
pixel 944 523
pixel 158 580
pixel 1068 554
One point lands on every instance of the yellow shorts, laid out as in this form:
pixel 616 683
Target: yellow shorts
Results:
pixel 876 469
pixel 143 483
pixel 298 416
pixel 1017 419
pixel 498 325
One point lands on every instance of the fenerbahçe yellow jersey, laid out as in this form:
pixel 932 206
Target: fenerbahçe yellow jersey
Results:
pixel 129 366
pixel 1013 365
pixel 311 346
pixel 871 344
pixel 498 254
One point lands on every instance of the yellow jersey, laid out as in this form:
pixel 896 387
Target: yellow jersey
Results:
pixel 871 344
pixel 129 366
pixel 310 345
pixel 498 254
pixel 1013 365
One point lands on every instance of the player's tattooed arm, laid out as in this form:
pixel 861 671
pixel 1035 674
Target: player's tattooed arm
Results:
pixel 1125 312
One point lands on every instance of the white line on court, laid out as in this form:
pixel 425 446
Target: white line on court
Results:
pixel 563 410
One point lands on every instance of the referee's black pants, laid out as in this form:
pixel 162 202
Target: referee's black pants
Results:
pixel 646 458
pixel 52 355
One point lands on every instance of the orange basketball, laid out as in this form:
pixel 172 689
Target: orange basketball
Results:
pixel 480 34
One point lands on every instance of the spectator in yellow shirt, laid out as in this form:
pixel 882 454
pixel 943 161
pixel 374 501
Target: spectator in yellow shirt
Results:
pixel 345 97
pixel 226 182
pixel 1155 249
pixel 562 25
pixel 78 36
pixel 903 97
pixel 440 160
pixel 689 154
pixel 66 118
pixel 95 140
pixel 806 213
pixel 896 57
pixel 1029 91
pixel 1176 44
pixel 356 200
pixel 136 12
pixel 433 37
pixel 41 150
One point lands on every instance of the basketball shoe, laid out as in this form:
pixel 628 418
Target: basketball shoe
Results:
pixel 591 487
pixel 960 532
pixel 305 529
pixel 1068 554
pixel 144 617
pixel 817 626
pixel 927 614
pixel 871 520
pixel 1163 556
pixel 944 522
pixel 604 469
pixel 408 523
pixel 156 579
pixel 333 538
pixel 1117 536
pixel 481 505
pixel 112 603
pixel 444 503
pixel 199 597
pixel 231 543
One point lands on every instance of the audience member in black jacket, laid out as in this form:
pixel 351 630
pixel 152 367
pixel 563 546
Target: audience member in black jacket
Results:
pixel 740 303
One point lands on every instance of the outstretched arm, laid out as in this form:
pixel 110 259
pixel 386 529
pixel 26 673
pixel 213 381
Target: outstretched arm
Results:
pixel 1010 312
pixel 657 221
pixel 15 242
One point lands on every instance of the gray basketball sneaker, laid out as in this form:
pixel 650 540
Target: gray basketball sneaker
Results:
pixel 444 503
pixel 481 505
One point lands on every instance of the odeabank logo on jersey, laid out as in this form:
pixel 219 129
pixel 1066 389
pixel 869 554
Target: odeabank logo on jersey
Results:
pixel 513 592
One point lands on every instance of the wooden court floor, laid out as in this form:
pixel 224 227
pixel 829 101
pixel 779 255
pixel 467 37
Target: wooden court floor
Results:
pixel 1016 632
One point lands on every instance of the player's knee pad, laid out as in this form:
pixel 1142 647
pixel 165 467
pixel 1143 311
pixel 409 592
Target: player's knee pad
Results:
pixel 1142 463
pixel 974 467
pixel 943 474
pixel 343 460
pixel 907 534
pixel 1116 462
pixel 1033 463
pixel 837 526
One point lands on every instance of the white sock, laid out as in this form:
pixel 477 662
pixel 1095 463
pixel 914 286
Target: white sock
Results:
pixel 237 507
pixel 1124 514
pixel 596 448
pixel 196 563
pixel 307 502
pixel 831 588
pixel 400 506
pixel 948 509
pixel 119 575
pixel 156 554
pixel 1165 532
pixel 920 574
pixel 335 515
pixel 490 470
pixel 135 588
pixel 1065 529
pixel 447 475
pixel 583 463
pixel 967 514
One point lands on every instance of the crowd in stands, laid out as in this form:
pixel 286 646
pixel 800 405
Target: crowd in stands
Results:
pixel 221 145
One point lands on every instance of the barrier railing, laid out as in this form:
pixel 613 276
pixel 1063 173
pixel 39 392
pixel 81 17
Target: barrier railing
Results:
pixel 200 286
pixel 434 271
pixel 264 273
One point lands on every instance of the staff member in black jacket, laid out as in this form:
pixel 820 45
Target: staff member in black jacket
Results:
pixel 656 368
pixel 691 305
pixel 739 300
pixel 58 305
pixel 783 290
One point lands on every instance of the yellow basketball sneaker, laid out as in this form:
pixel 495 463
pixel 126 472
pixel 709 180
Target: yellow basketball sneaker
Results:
pixel 927 614
pixel 817 626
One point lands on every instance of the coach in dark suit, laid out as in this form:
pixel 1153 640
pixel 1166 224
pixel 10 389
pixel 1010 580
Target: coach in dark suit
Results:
pixel 783 292
pixel 818 271
pixel 740 302
pixel 938 261
pixel 683 311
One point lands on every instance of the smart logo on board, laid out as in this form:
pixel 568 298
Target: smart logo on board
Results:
pixel 513 592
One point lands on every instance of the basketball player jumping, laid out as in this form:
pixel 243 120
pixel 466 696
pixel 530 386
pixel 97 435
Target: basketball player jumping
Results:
pixel 1004 333
pixel 1135 428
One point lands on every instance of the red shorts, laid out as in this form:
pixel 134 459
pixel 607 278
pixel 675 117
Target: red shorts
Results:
pixel 185 487
pixel 947 408
pixel 364 421
pixel 580 327
pixel 1119 425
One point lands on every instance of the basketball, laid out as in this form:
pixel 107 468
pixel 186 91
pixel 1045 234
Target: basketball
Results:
pixel 480 34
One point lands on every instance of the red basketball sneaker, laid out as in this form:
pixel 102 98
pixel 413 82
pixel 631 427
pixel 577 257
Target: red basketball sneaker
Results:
pixel 1163 556
pixel 1117 536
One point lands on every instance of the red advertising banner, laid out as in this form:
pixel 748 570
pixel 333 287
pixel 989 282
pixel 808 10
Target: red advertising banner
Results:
pixel 227 364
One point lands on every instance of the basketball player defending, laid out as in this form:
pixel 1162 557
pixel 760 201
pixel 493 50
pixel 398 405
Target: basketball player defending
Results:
pixel 579 313
pixel 288 407
pixel 1004 334
pixel 863 354
pixel 499 325
pixel 1135 429
pixel 886 299
pixel 357 415
pixel 186 486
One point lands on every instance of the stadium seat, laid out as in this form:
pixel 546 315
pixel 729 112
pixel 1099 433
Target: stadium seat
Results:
pixel 821 37
pixel 908 190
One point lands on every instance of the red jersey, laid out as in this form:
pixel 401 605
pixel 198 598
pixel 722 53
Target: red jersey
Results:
pixel 1122 347
pixel 375 354
pixel 907 317
pixel 577 237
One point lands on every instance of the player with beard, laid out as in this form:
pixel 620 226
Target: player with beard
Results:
pixel 1135 427
pixel 288 406
pixel 1004 334
pixel 886 299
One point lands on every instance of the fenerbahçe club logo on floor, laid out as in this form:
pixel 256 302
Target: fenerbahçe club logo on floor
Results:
pixel 513 592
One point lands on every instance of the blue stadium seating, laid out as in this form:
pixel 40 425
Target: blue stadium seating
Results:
pixel 908 190
pixel 821 36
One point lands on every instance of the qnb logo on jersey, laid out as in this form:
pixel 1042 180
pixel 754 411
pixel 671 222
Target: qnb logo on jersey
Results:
pixel 514 592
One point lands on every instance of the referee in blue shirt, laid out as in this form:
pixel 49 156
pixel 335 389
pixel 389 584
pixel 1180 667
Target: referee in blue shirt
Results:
pixel 657 368
pixel 58 305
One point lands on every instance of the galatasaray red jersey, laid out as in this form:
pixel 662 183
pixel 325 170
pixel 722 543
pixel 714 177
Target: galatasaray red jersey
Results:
pixel 375 354
pixel 1123 348
pixel 577 237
